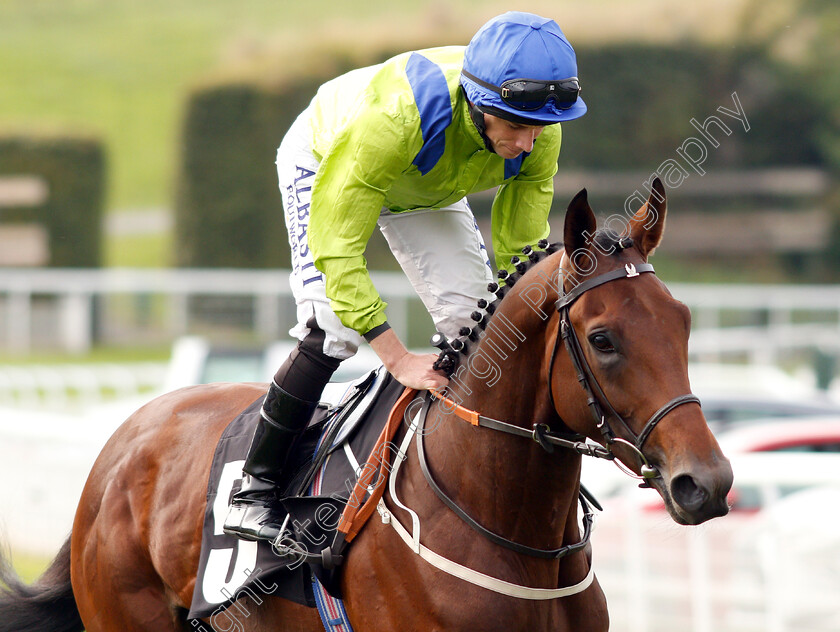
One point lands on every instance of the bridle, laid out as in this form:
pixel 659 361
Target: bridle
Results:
pixel 597 402
pixel 596 398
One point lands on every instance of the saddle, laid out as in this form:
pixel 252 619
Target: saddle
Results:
pixel 327 493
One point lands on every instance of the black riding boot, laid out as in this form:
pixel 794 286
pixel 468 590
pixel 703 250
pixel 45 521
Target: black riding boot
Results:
pixel 254 513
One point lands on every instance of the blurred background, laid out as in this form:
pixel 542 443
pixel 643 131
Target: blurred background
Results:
pixel 142 248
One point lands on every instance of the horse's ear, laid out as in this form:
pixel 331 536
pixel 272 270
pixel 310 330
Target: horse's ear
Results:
pixel 580 225
pixel 648 224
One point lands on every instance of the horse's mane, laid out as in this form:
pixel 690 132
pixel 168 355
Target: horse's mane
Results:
pixel 505 280
pixel 605 240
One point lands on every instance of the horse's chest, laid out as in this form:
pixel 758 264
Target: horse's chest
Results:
pixel 387 587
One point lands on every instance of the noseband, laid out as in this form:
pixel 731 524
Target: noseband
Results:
pixel 596 398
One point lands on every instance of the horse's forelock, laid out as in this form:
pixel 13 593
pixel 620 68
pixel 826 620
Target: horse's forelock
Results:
pixel 607 240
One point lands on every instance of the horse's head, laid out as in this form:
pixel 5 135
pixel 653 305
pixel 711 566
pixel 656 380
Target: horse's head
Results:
pixel 630 337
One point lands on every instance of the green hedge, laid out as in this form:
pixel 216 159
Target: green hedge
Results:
pixel 228 206
pixel 640 99
pixel 73 169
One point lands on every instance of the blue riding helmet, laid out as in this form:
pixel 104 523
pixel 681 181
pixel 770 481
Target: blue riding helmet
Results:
pixel 520 66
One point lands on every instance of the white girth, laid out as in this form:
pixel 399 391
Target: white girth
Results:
pixel 448 566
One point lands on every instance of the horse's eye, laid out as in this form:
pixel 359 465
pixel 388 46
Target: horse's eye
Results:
pixel 602 343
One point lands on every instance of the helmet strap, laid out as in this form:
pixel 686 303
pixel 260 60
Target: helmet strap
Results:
pixel 477 117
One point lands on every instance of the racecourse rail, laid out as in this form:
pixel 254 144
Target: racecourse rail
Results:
pixel 71 309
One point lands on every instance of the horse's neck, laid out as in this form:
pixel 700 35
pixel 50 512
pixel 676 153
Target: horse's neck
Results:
pixel 508 483
pixel 506 372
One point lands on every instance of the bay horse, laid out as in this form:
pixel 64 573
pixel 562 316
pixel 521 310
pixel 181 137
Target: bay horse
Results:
pixel 600 352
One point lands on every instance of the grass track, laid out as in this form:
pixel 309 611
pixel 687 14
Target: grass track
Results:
pixel 29 566
pixel 122 69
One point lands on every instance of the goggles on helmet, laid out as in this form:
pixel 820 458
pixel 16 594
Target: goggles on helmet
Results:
pixel 530 95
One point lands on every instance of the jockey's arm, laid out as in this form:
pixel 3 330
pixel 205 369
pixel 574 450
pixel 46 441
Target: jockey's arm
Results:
pixel 409 369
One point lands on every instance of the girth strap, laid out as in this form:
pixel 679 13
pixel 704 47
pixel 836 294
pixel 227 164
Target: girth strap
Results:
pixel 374 474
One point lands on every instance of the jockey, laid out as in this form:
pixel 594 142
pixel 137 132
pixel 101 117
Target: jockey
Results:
pixel 400 145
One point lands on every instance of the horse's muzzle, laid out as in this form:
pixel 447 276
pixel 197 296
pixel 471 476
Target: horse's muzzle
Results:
pixel 700 495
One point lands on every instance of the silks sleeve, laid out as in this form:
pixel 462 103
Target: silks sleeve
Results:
pixel 347 197
pixel 521 207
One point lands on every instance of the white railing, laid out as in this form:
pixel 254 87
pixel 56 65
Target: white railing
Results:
pixel 79 307
pixel 76 387
pixel 772 571
pixel 790 318
pixel 75 295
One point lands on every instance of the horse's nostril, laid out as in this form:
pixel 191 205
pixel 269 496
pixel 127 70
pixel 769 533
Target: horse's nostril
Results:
pixel 687 493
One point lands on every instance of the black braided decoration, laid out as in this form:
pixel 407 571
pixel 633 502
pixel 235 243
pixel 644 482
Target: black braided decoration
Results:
pixel 451 353
pixel 447 362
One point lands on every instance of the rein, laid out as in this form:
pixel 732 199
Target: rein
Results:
pixel 412 539
pixel 597 401
pixel 595 394
pixel 550 554
pixel 540 433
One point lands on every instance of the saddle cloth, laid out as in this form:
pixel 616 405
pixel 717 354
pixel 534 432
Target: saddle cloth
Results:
pixel 316 494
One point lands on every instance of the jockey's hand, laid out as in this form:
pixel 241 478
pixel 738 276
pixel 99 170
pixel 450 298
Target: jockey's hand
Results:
pixel 413 370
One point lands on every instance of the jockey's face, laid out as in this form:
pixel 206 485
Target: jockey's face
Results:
pixel 510 139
